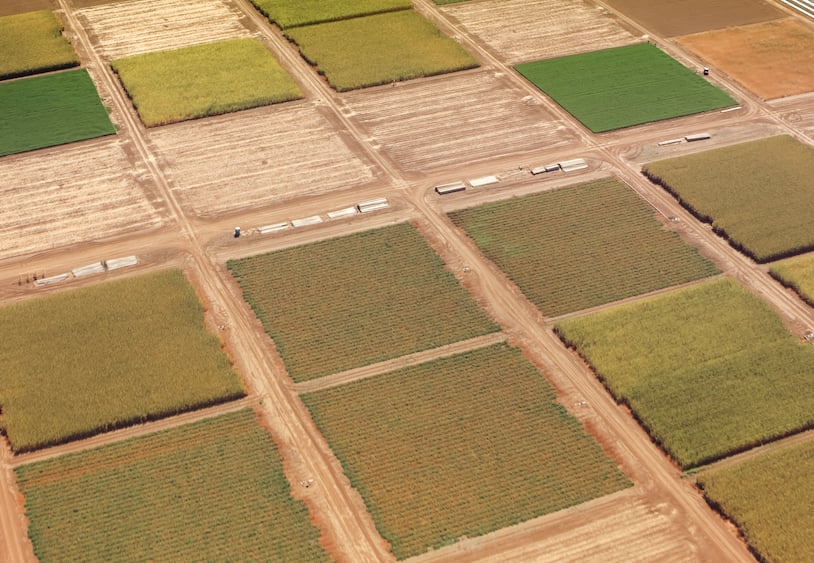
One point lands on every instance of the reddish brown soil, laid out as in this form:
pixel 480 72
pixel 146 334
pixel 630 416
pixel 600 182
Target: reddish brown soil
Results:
pixel 11 7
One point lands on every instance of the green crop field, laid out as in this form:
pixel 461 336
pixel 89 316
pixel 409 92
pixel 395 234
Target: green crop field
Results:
pixel 798 274
pixel 460 446
pixel 582 246
pixel 204 80
pixel 379 49
pixel 208 491
pixel 624 86
pixel 710 370
pixel 89 360
pixel 33 42
pixel 356 300
pixel 44 111
pixel 758 194
pixel 292 13
pixel 770 498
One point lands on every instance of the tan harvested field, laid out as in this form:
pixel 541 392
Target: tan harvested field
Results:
pixel 797 111
pixel 682 17
pixel 59 197
pixel 420 125
pixel 771 59
pixel 519 30
pixel 11 7
pixel 139 26
pixel 256 157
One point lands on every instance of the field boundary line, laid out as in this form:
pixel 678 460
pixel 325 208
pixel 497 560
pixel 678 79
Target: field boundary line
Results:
pixel 137 430
pixel 388 366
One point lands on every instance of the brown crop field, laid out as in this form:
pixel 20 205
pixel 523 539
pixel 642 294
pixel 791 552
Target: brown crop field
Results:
pixel 212 490
pixel 500 120
pixel 85 192
pixel 12 7
pixel 347 302
pixel 228 163
pixel 520 30
pixel 460 446
pixel 121 29
pixel 682 17
pixel 771 59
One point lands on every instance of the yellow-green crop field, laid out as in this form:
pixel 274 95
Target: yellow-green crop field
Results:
pixel 770 499
pixel 356 300
pixel 798 274
pixel 460 446
pixel 204 80
pixel 32 42
pixel 292 13
pixel 379 49
pixel 90 360
pixel 212 490
pixel 758 194
pixel 709 370
pixel 582 246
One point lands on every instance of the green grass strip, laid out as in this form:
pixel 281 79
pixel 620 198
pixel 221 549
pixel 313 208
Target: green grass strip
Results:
pixel 33 42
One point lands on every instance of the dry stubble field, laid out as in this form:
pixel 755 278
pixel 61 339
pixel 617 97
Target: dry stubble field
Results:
pixel 257 157
pixel 455 120
pixel 139 26
pixel 519 30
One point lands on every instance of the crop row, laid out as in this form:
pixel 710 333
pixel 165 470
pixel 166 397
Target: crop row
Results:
pixel 210 490
pixel 293 13
pixel 582 246
pixel 709 370
pixel 355 300
pixel 460 446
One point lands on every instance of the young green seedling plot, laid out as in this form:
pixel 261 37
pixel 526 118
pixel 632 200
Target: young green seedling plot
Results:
pixel 292 13
pixel 356 300
pixel 624 86
pixel 204 80
pixel 379 49
pixel 798 274
pixel 709 370
pixel 212 490
pixel 464 445
pixel 582 246
pixel 770 499
pixel 33 42
pixel 757 195
pixel 44 111
pixel 90 360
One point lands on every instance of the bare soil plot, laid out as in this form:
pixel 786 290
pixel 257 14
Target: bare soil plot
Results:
pixel 797 110
pixel 441 123
pixel 771 59
pixel 682 17
pixel 519 30
pixel 140 26
pixel 11 7
pixel 255 158
pixel 56 198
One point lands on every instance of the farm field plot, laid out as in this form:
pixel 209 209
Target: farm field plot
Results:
pixel 122 29
pixel 582 246
pixel 757 195
pixel 682 17
pixel 797 273
pixel 624 86
pixel 796 110
pixel 419 125
pixel 379 49
pixel 710 370
pixel 771 59
pixel 769 497
pixel 12 7
pixel 49 110
pixel 460 447
pixel 211 490
pixel 272 153
pixel 204 80
pixel 33 42
pixel 352 301
pixel 291 13
pixel 82 193
pixel 518 30
pixel 107 356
